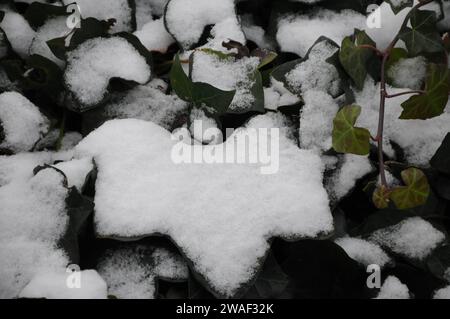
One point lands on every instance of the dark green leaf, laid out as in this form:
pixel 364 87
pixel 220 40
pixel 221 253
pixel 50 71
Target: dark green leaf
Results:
pixel 422 35
pixel 346 137
pixel 213 100
pixel 432 103
pixel 180 82
pixel 204 95
pixel 416 191
pixel 441 160
pixel 439 262
pixel 354 58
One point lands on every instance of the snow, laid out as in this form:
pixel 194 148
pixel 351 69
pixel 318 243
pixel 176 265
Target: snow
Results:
pixel 22 122
pixel 154 36
pixel 297 34
pixel 132 273
pixel 31 228
pixel 413 237
pixel 144 13
pixel 409 73
pixel 119 10
pixel 54 285
pixel 52 29
pixel 19 167
pixel 89 68
pixel 316 120
pixel 315 73
pixel 363 251
pixel 419 139
pixel 147 102
pixel 277 95
pixel 18 31
pixel 224 234
pixel 76 171
pixel 393 288
pixel 186 19
pixel 22 258
pixel 443 293
pixel 352 168
pixel 227 75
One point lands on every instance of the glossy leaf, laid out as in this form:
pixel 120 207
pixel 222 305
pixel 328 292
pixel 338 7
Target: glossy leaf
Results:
pixel 421 34
pixel 354 58
pixel 433 102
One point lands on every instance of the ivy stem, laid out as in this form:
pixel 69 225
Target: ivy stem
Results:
pixel 383 94
pixel 379 137
pixel 389 96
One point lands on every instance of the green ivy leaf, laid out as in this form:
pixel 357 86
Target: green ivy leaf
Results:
pixel 203 95
pixel 423 35
pixel 441 160
pixel 432 103
pixel 416 191
pixel 346 137
pixel 213 100
pixel 398 6
pixel 179 81
pixel 354 59
pixel 380 197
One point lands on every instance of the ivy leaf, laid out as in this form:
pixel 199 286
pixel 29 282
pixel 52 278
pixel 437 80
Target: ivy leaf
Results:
pixel 380 197
pixel 213 100
pixel 423 35
pixel 432 103
pixel 354 58
pixel 441 160
pixel 346 137
pixel 416 191
pixel 398 6
pixel 180 82
pixel 203 95
pixel 37 13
